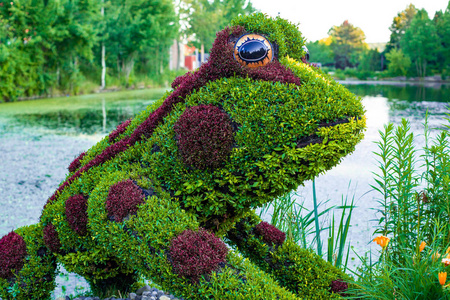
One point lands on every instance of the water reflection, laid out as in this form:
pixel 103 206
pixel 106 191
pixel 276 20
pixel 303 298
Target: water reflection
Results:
pixel 410 93
pixel 95 115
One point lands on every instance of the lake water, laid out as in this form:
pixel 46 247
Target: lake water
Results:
pixel 39 139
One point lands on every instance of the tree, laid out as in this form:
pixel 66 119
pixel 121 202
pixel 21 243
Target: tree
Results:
pixel 137 27
pixel 206 18
pixel 442 22
pixel 347 43
pixel 421 42
pixel 370 60
pixel 399 25
pixel 398 62
pixel 320 51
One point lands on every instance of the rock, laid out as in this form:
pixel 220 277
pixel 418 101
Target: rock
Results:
pixel 143 289
pixel 132 296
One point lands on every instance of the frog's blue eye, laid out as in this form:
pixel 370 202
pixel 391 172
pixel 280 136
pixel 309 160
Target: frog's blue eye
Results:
pixel 253 50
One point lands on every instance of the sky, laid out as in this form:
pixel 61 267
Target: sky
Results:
pixel 316 17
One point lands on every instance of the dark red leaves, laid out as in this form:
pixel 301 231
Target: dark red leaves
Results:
pixel 12 254
pixel 51 238
pixel 270 233
pixel 338 287
pixel 76 214
pixel 205 136
pixel 196 253
pixel 119 130
pixel 123 199
pixel 76 163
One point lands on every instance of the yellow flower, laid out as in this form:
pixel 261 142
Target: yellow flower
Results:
pixel 422 246
pixel 382 241
pixel 447 251
pixel 442 277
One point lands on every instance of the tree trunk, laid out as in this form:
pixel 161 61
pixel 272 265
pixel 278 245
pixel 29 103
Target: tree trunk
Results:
pixel 202 56
pixel 103 79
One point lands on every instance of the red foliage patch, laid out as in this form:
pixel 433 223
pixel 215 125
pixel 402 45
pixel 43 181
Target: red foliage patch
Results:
pixel 270 233
pixel 123 200
pixel 119 130
pixel 76 163
pixel 205 136
pixel 12 254
pixel 51 238
pixel 338 287
pixel 194 253
pixel 76 214
pixel 221 64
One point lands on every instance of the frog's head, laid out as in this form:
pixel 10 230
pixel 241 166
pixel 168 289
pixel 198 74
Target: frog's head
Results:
pixel 262 122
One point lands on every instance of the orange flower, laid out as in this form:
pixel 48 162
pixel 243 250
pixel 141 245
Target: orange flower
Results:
pixel 442 277
pixel 382 241
pixel 447 251
pixel 422 246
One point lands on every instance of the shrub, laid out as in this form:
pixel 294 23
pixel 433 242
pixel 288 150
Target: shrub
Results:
pixel 195 253
pixel 205 136
pixel 12 254
pixel 76 214
pixel 123 200
pixel 270 233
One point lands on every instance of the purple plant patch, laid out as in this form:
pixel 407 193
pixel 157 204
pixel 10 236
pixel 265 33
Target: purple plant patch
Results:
pixel 76 214
pixel 195 253
pixel 12 254
pixel 123 200
pixel 270 233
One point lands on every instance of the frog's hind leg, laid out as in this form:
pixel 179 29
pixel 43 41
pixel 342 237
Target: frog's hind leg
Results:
pixel 27 267
pixel 152 234
pixel 297 269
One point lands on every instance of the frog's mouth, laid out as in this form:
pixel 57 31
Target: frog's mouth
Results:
pixel 315 139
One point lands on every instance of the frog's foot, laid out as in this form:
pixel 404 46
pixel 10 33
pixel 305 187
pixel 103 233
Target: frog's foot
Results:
pixel 27 267
pixel 299 270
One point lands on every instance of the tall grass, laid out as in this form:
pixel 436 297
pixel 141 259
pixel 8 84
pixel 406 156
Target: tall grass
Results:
pixel 306 227
pixel 413 184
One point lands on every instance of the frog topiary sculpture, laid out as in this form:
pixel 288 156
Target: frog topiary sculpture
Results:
pixel 161 194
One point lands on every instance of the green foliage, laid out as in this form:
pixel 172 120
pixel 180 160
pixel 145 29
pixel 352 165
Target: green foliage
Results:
pixel 398 62
pixel 421 42
pixel 320 52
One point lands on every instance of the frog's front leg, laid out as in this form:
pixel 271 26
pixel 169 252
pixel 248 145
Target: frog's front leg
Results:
pixel 165 244
pixel 300 270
